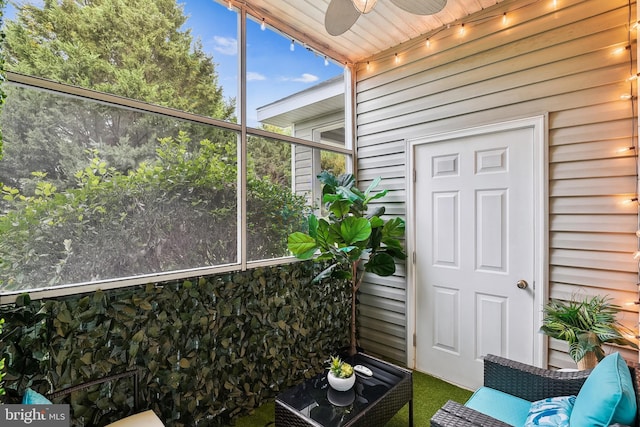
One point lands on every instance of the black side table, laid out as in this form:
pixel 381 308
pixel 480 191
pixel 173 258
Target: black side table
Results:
pixel 371 402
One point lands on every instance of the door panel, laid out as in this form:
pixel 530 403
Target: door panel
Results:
pixel 474 210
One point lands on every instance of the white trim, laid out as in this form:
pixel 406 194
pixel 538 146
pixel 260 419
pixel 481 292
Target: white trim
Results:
pixel 241 178
pixel 350 131
pixel 541 227
pixel 410 242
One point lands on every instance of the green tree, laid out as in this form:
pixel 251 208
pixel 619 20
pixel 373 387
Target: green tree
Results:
pixel 2 75
pixel 93 191
pixel 270 158
pixel 116 225
pixel 131 48
pixel 89 44
pixel 2 97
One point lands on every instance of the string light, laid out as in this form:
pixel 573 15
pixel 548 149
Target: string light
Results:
pixel 624 150
pixel 326 61
pixel 263 25
pixel 293 46
pixel 462 29
pixel 621 50
pixel 504 18
pixel 397 58
pixel 428 42
pixel 632 200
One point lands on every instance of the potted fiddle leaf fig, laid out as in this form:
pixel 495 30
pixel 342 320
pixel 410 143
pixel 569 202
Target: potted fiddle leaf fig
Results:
pixel 586 325
pixel 351 239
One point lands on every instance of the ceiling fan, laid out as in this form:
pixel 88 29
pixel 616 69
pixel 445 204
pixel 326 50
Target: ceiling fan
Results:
pixel 342 14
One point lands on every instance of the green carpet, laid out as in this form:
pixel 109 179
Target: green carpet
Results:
pixel 429 394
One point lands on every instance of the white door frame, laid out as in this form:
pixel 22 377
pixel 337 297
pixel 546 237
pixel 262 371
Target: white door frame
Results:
pixel 541 223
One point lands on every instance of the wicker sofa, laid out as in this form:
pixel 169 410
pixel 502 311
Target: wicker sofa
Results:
pixel 524 381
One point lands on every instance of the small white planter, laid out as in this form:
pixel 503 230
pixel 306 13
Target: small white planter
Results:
pixel 341 384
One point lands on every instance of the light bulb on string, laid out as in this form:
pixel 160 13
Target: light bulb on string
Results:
pixel 292 47
pixel 625 149
pixel 462 29
pixel 263 25
pixel 504 18
pixel 428 42
pixel 397 58
pixel 326 61
pixel 620 50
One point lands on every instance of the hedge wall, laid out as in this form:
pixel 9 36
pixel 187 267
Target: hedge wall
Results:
pixel 210 348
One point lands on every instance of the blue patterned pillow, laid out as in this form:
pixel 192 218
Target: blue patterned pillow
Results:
pixel 554 411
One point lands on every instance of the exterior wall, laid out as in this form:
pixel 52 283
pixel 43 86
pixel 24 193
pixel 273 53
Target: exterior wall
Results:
pixel 566 59
pixel 306 160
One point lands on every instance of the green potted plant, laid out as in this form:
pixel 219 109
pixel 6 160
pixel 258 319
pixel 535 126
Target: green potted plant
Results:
pixel 585 324
pixel 350 238
pixel 341 376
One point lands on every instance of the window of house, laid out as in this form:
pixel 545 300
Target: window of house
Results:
pixel 121 156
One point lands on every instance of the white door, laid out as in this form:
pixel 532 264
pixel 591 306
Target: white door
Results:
pixel 475 251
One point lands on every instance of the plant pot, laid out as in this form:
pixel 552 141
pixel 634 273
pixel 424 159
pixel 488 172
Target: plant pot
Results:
pixel 589 361
pixel 341 384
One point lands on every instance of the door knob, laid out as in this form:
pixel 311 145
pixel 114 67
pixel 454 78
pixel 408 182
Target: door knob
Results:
pixel 522 284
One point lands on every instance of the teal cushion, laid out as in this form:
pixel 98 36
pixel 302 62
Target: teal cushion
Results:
pixel 34 398
pixel 607 396
pixel 501 406
pixel 551 412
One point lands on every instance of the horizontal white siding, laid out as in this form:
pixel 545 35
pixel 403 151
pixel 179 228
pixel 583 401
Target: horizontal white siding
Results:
pixel 560 62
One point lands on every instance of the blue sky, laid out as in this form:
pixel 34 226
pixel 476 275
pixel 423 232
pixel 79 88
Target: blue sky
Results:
pixel 273 70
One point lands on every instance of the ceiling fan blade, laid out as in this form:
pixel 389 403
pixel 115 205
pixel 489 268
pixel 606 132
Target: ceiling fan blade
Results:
pixel 421 7
pixel 340 16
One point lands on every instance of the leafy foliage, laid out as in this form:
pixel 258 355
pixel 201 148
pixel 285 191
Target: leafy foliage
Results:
pixel 90 44
pixel 209 349
pixel 350 236
pixel 2 97
pixel 3 3
pixel 110 213
pixel 2 374
pixel 340 368
pixel 585 325
pixel 92 191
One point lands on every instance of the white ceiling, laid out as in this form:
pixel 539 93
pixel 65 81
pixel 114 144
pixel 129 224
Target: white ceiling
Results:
pixel 383 28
